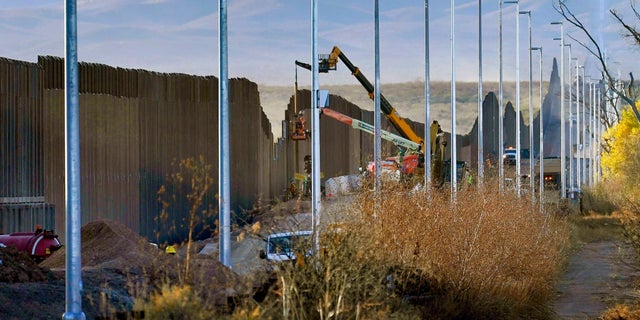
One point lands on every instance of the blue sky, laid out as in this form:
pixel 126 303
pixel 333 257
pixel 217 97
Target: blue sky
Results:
pixel 267 36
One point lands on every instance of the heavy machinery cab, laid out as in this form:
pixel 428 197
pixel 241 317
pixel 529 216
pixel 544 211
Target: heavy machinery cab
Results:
pixel 299 131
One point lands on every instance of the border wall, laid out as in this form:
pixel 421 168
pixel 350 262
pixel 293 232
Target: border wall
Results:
pixel 136 124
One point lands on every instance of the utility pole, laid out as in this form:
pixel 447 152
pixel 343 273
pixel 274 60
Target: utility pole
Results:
pixel 500 110
pixel 377 121
pixel 518 146
pixel 563 166
pixel 541 149
pixel 224 185
pixel 454 159
pixel 571 153
pixel 316 204
pixel 73 192
pixel 427 97
pixel 531 172
pixel 480 115
pixel 578 143
pixel 584 129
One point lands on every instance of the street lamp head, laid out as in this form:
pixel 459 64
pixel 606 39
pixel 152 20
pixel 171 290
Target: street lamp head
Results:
pixel 557 39
pixel 537 48
pixel 510 1
pixel 525 12
pixel 556 22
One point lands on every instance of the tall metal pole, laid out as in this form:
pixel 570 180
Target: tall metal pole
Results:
pixel 578 149
pixel 541 148
pixel 427 98
pixel 572 184
pixel 73 193
pixel 572 181
pixel 531 166
pixel 480 115
pixel 595 110
pixel 454 159
pixel 599 131
pixel 500 110
pixel 563 165
pixel 377 122
pixel 224 185
pixel 584 128
pixel 518 146
pixel 592 125
pixel 315 135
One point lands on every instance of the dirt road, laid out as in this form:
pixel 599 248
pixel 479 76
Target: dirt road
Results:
pixel 598 276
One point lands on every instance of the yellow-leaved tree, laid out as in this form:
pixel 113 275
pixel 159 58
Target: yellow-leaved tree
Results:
pixel 621 165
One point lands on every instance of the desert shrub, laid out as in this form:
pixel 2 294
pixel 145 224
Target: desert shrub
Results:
pixel 173 302
pixel 621 312
pixel 597 199
pixel 414 254
pixel 343 281
pixel 492 254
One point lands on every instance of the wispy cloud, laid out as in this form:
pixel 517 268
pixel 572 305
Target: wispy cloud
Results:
pixel 267 36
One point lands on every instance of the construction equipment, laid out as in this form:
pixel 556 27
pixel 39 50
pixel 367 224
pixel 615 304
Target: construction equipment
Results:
pixel 300 131
pixel 40 243
pixel 330 61
pixel 408 139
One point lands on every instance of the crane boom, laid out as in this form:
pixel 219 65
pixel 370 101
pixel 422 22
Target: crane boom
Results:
pixel 363 126
pixel 396 120
pixel 329 62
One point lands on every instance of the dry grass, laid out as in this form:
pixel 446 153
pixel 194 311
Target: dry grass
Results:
pixel 409 254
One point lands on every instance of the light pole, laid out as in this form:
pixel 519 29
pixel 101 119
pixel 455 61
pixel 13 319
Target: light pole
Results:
pixel 73 185
pixel 454 160
pixel 592 135
pixel 541 149
pixel 377 121
pixel 427 97
pixel 500 111
pixel 578 148
pixel 480 115
pixel 563 176
pixel 224 154
pixel 518 147
pixel 531 172
pixel 571 154
pixel 316 200
pixel 584 128
pixel 571 175
pixel 600 125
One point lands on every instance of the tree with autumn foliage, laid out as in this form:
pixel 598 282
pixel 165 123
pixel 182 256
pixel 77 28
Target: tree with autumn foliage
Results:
pixel 621 164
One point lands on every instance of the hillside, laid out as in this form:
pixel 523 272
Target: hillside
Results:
pixel 408 99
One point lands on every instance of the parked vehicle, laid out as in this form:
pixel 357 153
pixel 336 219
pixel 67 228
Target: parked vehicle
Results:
pixel 286 246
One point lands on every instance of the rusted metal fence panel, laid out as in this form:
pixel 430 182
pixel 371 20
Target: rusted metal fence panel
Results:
pixel 22 194
pixel 136 125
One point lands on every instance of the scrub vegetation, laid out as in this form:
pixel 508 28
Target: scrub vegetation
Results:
pixel 416 255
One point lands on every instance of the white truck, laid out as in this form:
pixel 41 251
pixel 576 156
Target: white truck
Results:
pixel 284 246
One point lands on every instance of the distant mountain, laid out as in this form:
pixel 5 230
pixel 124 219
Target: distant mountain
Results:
pixel 408 99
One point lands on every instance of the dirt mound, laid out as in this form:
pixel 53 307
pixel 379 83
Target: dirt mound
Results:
pixel 17 266
pixel 109 244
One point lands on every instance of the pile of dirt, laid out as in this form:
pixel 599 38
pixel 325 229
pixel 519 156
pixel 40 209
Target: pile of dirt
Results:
pixel 18 266
pixel 109 244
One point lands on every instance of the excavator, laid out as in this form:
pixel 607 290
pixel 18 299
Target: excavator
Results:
pixel 408 139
